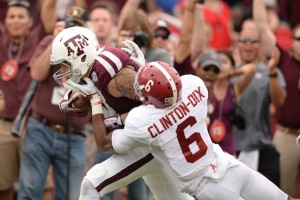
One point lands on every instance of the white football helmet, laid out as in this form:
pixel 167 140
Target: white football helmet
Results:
pixel 76 48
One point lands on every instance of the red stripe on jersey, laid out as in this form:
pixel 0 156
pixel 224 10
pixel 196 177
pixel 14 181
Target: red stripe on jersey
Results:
pixel 125 172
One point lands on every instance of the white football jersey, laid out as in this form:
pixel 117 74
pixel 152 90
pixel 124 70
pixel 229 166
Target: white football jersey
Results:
pixel 176 136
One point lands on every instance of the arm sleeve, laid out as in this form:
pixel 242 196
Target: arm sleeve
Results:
pixel 121 142
pixel 132 135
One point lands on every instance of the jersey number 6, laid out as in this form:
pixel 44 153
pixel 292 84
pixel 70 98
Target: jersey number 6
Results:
pixel 185 142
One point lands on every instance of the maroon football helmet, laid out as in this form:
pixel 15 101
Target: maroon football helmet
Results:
pixel 158 84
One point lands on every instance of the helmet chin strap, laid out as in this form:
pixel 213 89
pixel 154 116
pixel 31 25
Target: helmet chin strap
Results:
pixel 78 75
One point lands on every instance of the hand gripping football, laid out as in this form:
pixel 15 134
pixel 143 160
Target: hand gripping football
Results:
pixel 81 101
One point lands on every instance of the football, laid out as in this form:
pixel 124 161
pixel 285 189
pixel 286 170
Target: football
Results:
pixel 81 101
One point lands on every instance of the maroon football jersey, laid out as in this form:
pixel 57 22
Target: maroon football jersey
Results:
pixel 108 63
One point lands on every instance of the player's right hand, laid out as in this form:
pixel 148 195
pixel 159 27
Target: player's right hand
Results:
pixel 87 90
pixel 66 106
pixel 135 53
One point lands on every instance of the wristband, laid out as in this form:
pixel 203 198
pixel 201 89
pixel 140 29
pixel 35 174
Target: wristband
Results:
pixel 97 109
pixel 274 75
pixel 96 105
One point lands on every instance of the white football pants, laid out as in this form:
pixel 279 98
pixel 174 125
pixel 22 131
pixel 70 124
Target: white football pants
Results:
pixel 121 169
pixel 240 181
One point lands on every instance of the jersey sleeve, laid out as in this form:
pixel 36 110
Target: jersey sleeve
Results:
pixel 132 135
pixel 109 62
pixel 122 142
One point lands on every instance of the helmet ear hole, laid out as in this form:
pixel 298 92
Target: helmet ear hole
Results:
pixel 83 58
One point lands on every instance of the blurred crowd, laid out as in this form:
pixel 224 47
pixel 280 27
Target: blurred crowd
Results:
pixel 247 52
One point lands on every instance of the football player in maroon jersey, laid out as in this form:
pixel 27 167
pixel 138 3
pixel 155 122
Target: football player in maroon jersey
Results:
pixel 107 76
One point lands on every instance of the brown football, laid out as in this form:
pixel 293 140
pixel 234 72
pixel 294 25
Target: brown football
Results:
pixel 81 102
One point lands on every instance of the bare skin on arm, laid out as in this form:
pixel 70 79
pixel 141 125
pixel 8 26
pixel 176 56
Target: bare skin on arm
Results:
pixel 122 84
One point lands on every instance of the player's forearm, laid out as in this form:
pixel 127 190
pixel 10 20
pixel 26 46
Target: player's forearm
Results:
pixel 100 132
pixel 107 142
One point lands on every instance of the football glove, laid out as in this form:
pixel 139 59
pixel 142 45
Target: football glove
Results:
pixel 66 106
pixel 135 53
pixel 88 90
pixel 113 122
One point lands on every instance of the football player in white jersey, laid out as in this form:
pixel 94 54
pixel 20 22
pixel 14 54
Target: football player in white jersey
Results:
pixel 110 73
pixel 171 122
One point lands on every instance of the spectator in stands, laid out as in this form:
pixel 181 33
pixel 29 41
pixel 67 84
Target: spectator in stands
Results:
pixel 218 16
pixel 190 45
pixel 102 18
pixel 254 143
pixel 46 129
pixel 17 45
pixel 161 34
pixel 136 26
pixel 288 121
pixel 224 94
pixel 162 38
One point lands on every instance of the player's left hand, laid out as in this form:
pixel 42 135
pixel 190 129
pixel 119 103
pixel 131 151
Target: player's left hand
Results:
pixel 88 90
pixel 113 122
pixel 135 53
pixel 66 106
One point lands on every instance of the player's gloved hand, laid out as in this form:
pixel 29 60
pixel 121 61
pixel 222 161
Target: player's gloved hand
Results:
pixel 298 140
pixel 66 106
pixel 135 53
pixel 88 90
pixel 113 122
